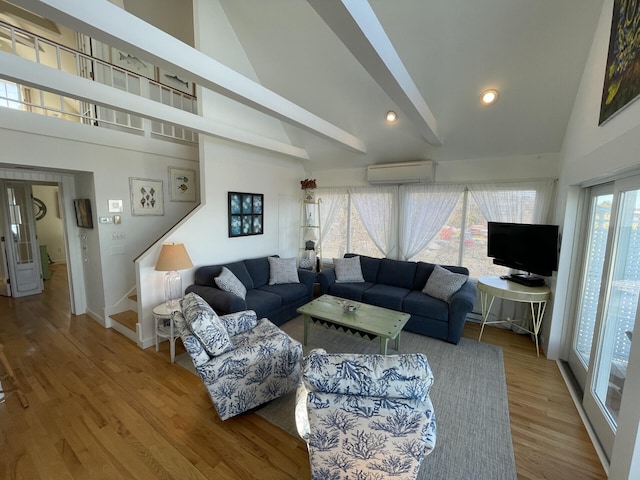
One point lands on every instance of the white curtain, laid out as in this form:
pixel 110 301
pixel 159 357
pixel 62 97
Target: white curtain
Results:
pixel 423 211
pixel 376 207
pixel 332 201
pixel 517 202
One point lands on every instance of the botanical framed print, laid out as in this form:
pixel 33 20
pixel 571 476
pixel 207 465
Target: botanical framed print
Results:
pixel 146 196
pixel 246 213
pixel 182 185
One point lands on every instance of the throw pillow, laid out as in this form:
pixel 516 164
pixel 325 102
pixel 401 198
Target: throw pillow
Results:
pixel 442 283
pixel 205 325
pixel 282 270
pixel 228 282
pixel 348 270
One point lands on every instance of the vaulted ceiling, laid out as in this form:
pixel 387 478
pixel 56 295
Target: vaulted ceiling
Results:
pixel 532 51
pixel 348 62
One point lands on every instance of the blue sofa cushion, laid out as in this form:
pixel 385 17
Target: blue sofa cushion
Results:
pixel 397 273
pixel 386 296
pixel 258 268
pixel 262 302
pixel 240 270
pixel 289 292
pixel 417 303
pixel 352 291
pixel 369 265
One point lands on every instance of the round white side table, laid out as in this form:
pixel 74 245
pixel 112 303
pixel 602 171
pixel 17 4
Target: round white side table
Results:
pixel 164 327
pixel 536 297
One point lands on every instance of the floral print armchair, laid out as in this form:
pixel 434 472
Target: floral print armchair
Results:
pixel 243 362
pixel 366 417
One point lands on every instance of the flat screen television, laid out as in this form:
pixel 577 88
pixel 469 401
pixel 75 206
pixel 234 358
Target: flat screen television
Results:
pixel 526 247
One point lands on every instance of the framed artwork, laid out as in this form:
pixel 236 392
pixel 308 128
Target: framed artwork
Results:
pixel 132 63
pixel 622 73
pixel 182 185
pixel 84 218
pixel 146 196
pixel 246 214
pixel 175 81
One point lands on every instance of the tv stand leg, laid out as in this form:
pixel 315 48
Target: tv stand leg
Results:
pixel 537 313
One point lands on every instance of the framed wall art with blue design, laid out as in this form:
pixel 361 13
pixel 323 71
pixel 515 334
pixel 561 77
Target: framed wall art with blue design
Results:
pixel 246 214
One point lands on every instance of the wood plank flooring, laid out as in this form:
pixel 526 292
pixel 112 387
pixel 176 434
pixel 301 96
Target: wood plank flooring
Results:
pixel 101 408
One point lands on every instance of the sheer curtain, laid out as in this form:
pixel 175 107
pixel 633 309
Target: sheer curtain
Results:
pixel 376 207
pixel 332 200
pixel 517 202
pixel 423 211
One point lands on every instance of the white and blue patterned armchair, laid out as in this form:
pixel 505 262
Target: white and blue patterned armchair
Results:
pixel 365 417
pixel 243 362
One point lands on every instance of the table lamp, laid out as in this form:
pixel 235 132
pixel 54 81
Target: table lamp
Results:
pixel 173 257
pixel 310 238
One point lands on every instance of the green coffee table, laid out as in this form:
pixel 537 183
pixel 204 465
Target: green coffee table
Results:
pixel 367 321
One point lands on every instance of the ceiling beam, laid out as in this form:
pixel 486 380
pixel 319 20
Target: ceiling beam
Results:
pixel 356 25
pixel 112 25
pixel 26 72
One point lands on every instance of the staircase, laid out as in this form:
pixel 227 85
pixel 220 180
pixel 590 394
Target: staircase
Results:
pixel 125 322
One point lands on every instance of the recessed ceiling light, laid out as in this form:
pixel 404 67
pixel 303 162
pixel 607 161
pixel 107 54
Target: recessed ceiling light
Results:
pixel 489 97
pixel 391 117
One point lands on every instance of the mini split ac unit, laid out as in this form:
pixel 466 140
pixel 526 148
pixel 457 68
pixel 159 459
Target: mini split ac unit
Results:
pixel 403 172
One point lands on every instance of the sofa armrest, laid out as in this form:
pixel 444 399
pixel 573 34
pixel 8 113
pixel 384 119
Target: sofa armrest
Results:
pixel 307 277
pixel 326 278
pixel 460 304
pixel 222 302
pixel 239 322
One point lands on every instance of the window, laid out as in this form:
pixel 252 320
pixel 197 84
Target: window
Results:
pixel 459 239
pixel 9 95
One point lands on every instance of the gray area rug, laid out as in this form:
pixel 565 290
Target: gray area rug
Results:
pixel 469 397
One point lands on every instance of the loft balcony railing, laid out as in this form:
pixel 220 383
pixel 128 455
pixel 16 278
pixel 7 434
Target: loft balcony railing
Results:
pixel 46 52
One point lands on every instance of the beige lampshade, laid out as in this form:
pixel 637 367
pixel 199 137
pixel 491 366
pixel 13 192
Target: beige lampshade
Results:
pixel 173 257
pixel 311 234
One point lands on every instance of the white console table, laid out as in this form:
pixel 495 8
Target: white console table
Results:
pixel 536 297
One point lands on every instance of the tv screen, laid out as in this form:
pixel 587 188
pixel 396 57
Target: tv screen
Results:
pixel 527 247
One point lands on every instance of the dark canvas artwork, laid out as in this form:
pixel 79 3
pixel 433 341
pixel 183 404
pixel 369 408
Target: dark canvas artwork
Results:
pixel 245 214
pixel 622 75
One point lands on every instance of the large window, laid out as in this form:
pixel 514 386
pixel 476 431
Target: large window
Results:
pixel 438 224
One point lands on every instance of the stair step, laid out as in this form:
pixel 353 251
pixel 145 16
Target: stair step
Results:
pixel 128 318
pixel 133 297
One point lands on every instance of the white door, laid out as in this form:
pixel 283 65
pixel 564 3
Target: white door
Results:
pixel 597 222
pixel 608 303
pixel 23 255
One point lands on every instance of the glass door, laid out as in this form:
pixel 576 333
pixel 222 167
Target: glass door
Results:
pixel 23 256
pixel 595 245
pixel 615 313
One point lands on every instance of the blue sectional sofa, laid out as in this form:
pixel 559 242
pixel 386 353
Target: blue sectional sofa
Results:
pixel 398 285
pixel 278 302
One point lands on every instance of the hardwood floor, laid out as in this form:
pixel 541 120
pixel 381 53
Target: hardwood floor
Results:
pixel 102 408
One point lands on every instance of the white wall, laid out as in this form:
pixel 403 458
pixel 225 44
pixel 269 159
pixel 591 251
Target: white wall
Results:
pixel 592 153
pixel 102 162
pixel 523 167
